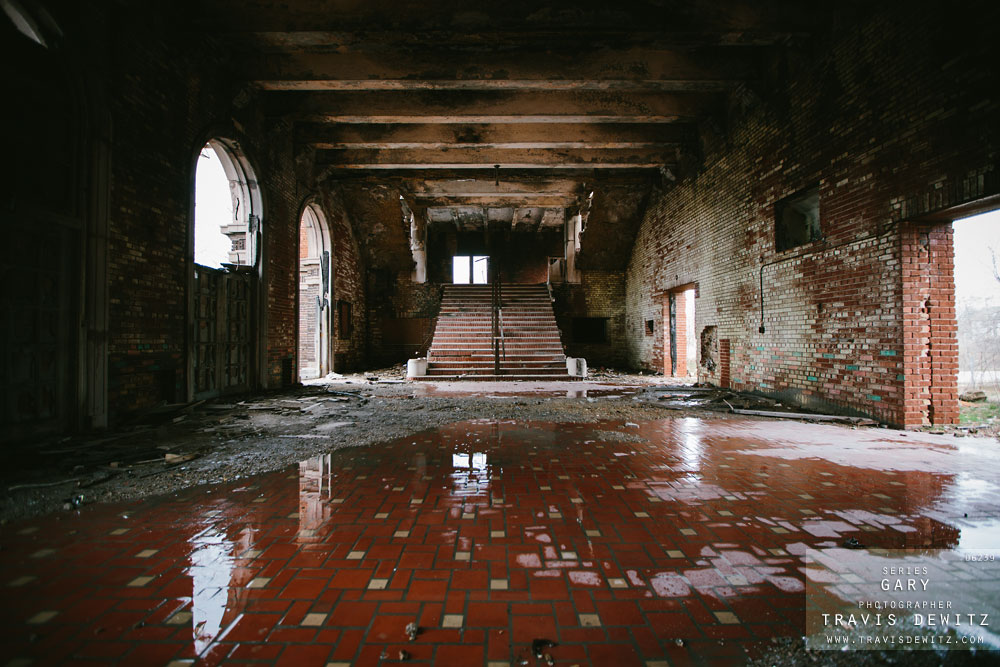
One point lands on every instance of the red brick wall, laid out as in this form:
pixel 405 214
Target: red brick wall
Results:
pixel 894 117
pixel 169 94
pixel 930 348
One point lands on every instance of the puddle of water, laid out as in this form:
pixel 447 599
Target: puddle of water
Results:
pixel 670 512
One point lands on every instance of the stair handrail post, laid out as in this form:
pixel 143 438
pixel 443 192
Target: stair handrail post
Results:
pixel 495 311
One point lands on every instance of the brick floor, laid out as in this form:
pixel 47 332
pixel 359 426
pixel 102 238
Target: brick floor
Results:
pixel 611 540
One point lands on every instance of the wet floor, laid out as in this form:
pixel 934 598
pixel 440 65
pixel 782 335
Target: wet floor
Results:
pixel 671 542
pixel 567 389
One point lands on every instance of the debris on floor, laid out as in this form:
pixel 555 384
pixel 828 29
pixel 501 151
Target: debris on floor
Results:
pixel 743 403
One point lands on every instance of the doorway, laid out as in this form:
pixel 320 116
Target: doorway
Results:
pixel 470 269
pixel 315 294
pixel 680 358
pixel 225 240
pixel 977 306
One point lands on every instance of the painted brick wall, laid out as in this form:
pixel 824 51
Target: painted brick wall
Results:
pixel 893 118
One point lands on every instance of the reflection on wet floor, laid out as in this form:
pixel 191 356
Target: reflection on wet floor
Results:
pixel 474 389
pixel 678 540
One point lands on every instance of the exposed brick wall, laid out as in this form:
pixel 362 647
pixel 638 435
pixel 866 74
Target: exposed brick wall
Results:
pixel 348 282
pixel 402 325
pixel 930 348
pixel 893 118
pixel 168 92
pixel 598 294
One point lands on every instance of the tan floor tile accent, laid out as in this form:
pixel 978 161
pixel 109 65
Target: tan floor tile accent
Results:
pixel 21 581
pixel 727 617
pixel 336 501
pixel 462 555
pixel 43 617
pixel 260 500
pixel 498 533
pixel 569 555
pixel 250 554
pixel 43 553
pixel 468 515
pixel 545 488
pixel 180 618
pixel 617 583
pixel 401 533
pixel 314 619
pixel 146 553
pixel 555 515
pixel 688 531
pixel 259 582
pixel 590 620
pixel 576 500
pixel 452 621
pixel 645 515
pixel 377 584
pixel 356 555
pixel 382 515
pixel 498 584
pixel 293 515
pixel 592 533
pixel 675 553
pixel 140 581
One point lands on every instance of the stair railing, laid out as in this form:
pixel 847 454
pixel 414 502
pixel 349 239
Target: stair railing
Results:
pixel 499 344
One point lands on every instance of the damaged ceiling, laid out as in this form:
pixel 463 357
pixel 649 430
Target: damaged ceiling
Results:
pixel 505 111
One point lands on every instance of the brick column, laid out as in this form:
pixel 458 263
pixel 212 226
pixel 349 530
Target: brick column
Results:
pixel 930 339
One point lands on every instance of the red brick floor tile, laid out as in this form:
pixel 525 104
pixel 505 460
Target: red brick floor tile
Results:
pixel 459 656
pixel 653 572
pixel 487 614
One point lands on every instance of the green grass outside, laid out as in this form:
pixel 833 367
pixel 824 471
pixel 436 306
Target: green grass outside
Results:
pixel 979 413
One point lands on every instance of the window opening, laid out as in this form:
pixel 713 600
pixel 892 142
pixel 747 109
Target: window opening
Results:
pixel 225 216
pixel 466 269
pixel 796 220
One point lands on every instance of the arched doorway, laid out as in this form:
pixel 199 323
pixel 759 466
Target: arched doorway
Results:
pixel 315 294
pixel 226 271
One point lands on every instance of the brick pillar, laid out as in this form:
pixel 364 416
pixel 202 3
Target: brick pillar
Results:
pixel 930 338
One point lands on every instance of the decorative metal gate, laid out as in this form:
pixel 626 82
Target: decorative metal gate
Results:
pixel 222 331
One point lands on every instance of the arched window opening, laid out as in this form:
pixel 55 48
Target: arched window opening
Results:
pixel 227 266
pixel 226 213
pixel 315 294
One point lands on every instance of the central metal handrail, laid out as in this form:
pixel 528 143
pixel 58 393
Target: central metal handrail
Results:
pixel 497 316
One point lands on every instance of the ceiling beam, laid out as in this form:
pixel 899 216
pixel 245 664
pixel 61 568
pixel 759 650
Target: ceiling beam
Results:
pixel 635 69
pixel 530 158
pixel 401 136
pixel 317 41
pixel 461 166
pixel 486 200
pixel 505 186
pixel 457 107
pixel 720 17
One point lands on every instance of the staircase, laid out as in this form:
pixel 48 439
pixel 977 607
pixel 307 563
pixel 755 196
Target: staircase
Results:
pixel 462 347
